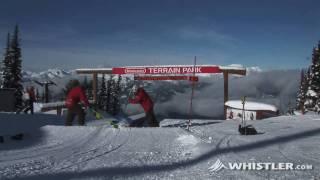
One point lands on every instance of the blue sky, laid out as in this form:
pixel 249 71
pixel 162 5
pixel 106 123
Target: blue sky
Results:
pixel 272 34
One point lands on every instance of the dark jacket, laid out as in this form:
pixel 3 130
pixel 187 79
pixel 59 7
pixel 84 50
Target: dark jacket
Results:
pixel 141 97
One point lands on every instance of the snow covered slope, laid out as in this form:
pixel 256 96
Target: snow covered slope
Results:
pixel 99 152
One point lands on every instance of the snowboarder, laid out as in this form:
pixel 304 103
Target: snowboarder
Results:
pixel 76 96
pixel 31 100
pixel 142 97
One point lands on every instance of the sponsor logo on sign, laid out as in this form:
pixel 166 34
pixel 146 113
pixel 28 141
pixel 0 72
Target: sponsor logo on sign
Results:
pixel 135 70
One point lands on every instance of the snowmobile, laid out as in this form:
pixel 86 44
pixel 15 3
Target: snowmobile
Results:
pixel 247 130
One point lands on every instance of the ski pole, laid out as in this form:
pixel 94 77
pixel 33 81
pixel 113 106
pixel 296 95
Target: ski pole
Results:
pixel 192 94
pixel 129 96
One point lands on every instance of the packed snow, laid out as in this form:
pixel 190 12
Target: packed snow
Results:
pixel 97 151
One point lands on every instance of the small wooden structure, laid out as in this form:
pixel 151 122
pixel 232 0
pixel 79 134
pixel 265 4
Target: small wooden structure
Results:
pixel 252 110
pixel 165 70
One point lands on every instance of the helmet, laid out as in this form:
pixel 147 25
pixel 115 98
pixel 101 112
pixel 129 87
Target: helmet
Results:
pixel 74 83
pixel 134 88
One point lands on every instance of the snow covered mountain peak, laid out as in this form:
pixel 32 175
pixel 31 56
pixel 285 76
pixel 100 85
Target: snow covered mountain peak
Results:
pixel 48 74
pixel 53 73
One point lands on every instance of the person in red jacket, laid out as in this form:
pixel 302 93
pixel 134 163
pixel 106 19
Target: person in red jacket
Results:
pixel 76 96
pixel 142 97
pixel 31 100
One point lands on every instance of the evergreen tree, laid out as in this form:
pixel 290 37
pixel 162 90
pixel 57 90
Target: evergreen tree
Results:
pixel 317 73
pixel 85 83
pixel 109 94
pixel 301 96
pixel 7 65
pixel 112 96
pixel 102 94
pixel 313 81
pixel 116 96
pixel 16 66
pixel 90 90
pixel 12 67
pixel 1 73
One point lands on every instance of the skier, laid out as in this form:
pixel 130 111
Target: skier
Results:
pixel 76 96
pixel 142 97
pixel 31 100
pixel 231 115
pixel 251 116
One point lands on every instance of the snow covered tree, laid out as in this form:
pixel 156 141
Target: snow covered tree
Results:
pixel 87 86
pixel 1 73
pixel 16 66
pixel 7 65
pixel 116 96
pixel 312 102
pixel 112 96
pixel 90 90
pixel 301 96
pixel 12 66
pixel 102 94
pixel 109 92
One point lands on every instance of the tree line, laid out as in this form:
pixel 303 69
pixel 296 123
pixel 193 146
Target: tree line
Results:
pixel 109 94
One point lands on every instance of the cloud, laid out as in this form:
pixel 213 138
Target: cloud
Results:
pixel 274 87
pixel 206 34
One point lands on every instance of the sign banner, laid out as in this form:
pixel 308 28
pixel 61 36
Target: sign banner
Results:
pixel 163 78
pixel 166 70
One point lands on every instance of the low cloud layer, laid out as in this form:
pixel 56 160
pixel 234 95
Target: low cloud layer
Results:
pixel 274 87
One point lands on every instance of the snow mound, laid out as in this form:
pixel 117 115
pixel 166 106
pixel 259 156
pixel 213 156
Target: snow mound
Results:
pixel 188 140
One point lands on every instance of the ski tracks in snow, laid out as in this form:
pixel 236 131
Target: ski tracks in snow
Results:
pixel 94 153
pixel 74 155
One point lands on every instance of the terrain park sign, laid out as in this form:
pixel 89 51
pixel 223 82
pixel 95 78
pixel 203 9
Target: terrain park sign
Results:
pixel 166 70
